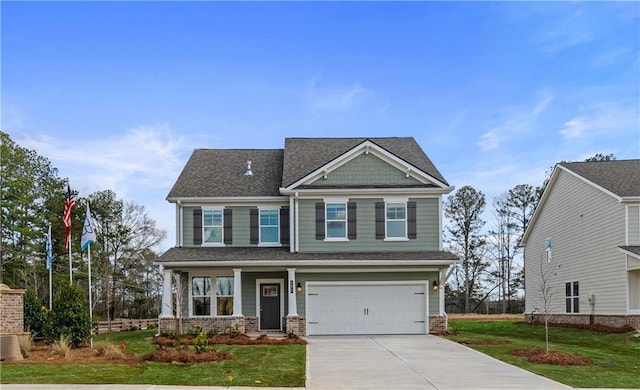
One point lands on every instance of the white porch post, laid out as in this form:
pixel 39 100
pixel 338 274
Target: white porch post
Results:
pixel 237 292
pixel 441 291
pixel 167 297
pixel 293 304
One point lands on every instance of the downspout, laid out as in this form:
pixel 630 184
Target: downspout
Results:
pixel 297 224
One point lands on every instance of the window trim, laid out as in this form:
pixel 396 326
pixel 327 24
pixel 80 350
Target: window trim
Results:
pixel 573 298
pixel 221 211
pixel 344 203
pixel 387 220
pixel 278 241
pixel 213 296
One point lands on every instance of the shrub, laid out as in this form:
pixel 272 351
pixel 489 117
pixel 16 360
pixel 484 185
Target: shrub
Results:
pixel 109 351
pixel 61 347
pixel 194 331
pixel 35 315
pixel 69 316
pixel 200 343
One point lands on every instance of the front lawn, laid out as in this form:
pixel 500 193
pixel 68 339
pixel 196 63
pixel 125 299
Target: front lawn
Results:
pixel 251 365
pixel 615 358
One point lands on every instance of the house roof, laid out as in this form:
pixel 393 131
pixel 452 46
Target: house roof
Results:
pixel 304 155
pixel 620 177
pixel 220 173
pixel 635 250
pixel 182 255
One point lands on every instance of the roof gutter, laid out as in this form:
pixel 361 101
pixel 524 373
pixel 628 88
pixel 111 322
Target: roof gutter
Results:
pixel 291 263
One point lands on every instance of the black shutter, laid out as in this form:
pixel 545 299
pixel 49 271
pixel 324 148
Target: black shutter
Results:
pixel 197 226
pixel 352 231
pixel 380 220
pixel 411 221
pixel 228 226
pixel 320 221
pixel 284 226
pixel 253 226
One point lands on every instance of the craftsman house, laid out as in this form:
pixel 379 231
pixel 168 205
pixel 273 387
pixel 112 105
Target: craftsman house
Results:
pixel 325 236
pixel 583 243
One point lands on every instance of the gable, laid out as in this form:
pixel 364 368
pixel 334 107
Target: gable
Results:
pixel 362 171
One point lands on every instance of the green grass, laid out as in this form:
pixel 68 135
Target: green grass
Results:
pixel 615 358
pixel 258 365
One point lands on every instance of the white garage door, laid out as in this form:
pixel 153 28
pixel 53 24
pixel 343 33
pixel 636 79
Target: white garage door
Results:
pixel 366 308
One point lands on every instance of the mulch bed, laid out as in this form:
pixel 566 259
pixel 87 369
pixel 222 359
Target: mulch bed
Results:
pixel 594 327
pixel 229 339
pixel 541 356
pixel 185 356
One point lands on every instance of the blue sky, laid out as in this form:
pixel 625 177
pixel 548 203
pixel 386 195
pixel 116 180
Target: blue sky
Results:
pixel 118 94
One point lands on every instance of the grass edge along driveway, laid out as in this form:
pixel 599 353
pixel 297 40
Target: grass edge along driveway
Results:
pixel 615 358
pixel 253 365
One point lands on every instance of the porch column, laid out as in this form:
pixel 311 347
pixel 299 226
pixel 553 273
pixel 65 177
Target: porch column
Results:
pixel 293 304
pixel 237 292
pixel 167 297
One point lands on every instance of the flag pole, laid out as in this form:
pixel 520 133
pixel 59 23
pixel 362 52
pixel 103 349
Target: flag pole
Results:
pixel 70 261
pixel 50 266
pixel 90 303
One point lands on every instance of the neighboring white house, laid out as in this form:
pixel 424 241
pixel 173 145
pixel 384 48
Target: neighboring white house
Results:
pixel 583 243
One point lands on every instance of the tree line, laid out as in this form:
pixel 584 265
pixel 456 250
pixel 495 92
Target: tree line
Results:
pixel 491 268
pixel 125 281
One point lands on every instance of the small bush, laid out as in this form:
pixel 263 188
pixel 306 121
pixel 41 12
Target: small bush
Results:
pixel 69 316
pixel 194 331
pixel 213 332
pixel 61 347
pixel 171 334
pixel 152 325
pixel 35 315
pixel 200 343
pixel 108 351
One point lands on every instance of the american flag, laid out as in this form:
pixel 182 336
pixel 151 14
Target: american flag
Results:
pixel 69 204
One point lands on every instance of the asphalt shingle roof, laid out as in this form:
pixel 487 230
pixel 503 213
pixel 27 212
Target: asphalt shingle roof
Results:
pixel 622 177
pixel 304 155
pixel 253 253
pixel 220 173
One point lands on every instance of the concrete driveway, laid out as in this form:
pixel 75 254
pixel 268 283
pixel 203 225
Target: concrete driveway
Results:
pixel 409 362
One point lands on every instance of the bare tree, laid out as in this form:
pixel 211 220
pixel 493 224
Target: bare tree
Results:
pixel 546 287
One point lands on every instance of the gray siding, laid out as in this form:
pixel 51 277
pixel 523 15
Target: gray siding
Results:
pixel 187 226
pixel 634 225
pixel 427 229
pixel 586 227
pixel 302 277
pixel 366 169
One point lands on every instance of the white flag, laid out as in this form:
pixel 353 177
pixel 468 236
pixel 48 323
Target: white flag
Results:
pixel 88 233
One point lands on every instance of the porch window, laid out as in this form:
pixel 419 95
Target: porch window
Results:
pixel 212 226
pixel 224 295
pixel 336 220
pixel 201 295
pixel 572 297
pixel 269 226
pixel 396 220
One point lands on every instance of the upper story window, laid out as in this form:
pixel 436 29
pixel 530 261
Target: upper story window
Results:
pixel 336 220
pixel 396 220
pixel 269 226
pixel 212 226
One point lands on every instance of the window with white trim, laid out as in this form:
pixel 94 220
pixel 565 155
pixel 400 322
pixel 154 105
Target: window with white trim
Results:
pixel 224 295
pixel 201 296
pixel 396 220
pixel 336 220
pixel 572 297
pixel 269 226
pixel 212 226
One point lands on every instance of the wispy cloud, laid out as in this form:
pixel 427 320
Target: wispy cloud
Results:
pixel 602 118
pixel 335 97
pixel 149 156
pixel 514 121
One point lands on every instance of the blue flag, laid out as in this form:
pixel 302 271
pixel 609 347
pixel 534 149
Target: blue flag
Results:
pixel 49 250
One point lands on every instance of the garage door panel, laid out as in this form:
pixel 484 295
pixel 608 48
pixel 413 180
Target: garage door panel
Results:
pixel 366 309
